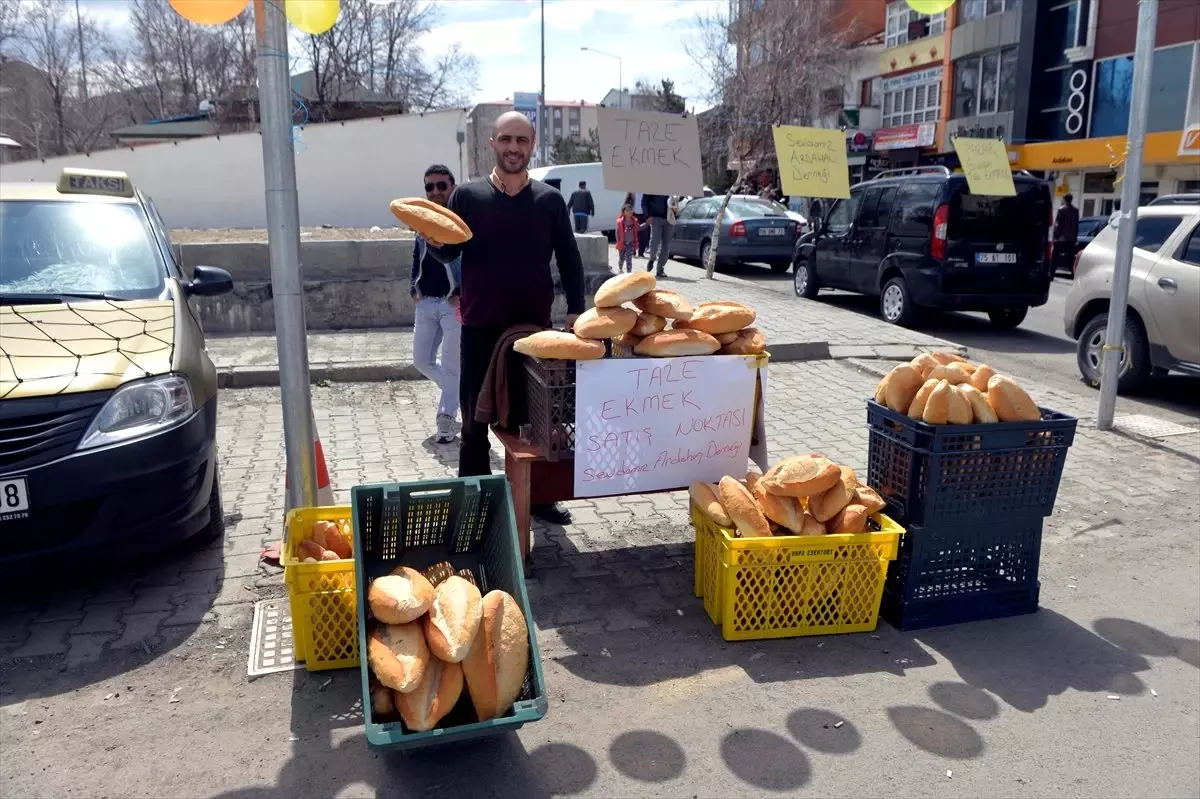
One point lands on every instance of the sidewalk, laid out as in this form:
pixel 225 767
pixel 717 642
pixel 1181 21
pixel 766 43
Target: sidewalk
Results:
pixel 795 331
pixel 1102 684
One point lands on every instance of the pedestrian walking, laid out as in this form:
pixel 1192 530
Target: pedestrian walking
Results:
pixel 656 206
pixel 1066 237
pixel 581 207
pixel 516 225
pixel 626 238
pixel 434 288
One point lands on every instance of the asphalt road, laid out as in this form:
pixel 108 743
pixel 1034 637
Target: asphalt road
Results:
pixel 1039 346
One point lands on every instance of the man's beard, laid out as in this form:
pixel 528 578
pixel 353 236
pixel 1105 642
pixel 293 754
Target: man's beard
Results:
pixel 503 167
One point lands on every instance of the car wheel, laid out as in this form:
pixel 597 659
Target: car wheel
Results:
pixel 895 303
pixel 215 531
pixel 804 280
pixel 780 267
pixel 1135 361
pixel 1007 318
pixel 705 246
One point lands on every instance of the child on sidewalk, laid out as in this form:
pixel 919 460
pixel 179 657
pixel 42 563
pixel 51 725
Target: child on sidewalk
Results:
pixel 626 239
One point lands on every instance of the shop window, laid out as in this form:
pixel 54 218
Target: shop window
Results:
pixel 1187 187
pixel 899 15
pixel 1099 182
pixel 1168 92
pixel 985 84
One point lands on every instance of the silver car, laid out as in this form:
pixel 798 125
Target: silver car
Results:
pixel 753 230
pixel 1162 325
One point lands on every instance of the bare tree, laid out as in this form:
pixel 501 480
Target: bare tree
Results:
pixel 765 67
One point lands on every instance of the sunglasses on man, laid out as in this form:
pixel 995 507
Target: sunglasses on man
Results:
pixel 440 185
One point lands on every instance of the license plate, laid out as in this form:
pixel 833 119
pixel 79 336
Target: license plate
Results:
pixel 14 498
pixel 995 258
pixel 771 231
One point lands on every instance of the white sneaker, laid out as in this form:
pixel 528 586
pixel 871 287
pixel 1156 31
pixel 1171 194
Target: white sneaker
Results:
pixel 445 429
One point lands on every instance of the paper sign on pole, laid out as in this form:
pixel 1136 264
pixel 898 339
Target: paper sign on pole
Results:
pixel 812 161
pixel 649 424
pixel 986 163
pixel 650 152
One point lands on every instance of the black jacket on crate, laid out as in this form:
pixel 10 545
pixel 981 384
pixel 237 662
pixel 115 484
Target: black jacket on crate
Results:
pixel 502 398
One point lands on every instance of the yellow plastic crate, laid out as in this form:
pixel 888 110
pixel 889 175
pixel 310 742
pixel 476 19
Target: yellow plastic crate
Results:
pixel 786 586
pixel 323 601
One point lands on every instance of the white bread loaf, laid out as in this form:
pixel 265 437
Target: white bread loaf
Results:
pixel 725 316
pixel 749 341
pixel 851 519
pixel 665 303
pixel 801 476
pixel 602 323
pixel 556 344
pixel 705 496
pixel 673 343
pixel 787 512
pixel 903 383
pixel 400 597
pixel 742 509
pixel 499 657
pixel 1010 402
pixel 829 503
pixel 453 619
pixel 960 407
pixel 917 408
pixel 398 655
pixel 983 413
pixel 621 289
pixel 435 696
pixel 869 498
pixel 647 323
pixel 937 407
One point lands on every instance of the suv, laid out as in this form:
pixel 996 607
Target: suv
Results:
pixel 917 238
pixel 1162 322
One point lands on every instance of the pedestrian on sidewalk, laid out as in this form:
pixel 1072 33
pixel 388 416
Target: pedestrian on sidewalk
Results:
pixel 1066 236
pixel 516 225
pixel 435 291
pixel 626 238
pixel 656 208
pixel 581 207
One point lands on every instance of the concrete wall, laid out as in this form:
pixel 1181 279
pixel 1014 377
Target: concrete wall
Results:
pixel 347 284
pixel 346 172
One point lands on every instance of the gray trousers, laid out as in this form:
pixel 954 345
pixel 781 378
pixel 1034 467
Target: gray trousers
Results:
pixel 660 238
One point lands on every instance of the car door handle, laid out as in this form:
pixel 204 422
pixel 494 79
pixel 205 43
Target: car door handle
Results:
pixel 1167 284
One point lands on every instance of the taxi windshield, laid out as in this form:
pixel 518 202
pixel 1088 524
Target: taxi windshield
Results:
pixel 77 248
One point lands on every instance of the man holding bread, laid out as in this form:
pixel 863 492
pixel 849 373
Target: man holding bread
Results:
pixel 516 225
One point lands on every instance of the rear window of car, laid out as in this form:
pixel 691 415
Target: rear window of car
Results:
pixel 983 218
pixel 1153 231
pixel 912 213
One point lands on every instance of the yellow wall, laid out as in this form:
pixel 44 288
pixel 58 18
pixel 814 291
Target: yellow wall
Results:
pixel 930 51
pixel 1106 152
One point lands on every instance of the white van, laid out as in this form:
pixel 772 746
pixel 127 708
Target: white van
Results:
pixel 566 177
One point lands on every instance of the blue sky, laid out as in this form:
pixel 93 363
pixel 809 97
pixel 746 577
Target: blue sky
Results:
pixel 648 35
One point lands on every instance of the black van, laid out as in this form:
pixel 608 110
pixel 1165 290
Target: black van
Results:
pixel 917 238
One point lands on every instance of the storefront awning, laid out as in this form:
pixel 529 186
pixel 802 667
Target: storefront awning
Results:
pixel 1102 153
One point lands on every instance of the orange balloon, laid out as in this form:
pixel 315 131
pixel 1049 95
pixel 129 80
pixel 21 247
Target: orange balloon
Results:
pixel 209 12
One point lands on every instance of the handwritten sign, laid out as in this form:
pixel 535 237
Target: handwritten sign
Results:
pixel 812 161
pixel 986 163
pixel 648 424
pixel 649 152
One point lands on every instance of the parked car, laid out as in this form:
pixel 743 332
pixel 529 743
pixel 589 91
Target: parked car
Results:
pixel 1176 199
pixel 108 404
pixel 1162 320
pixel 566 177
pixel 918 239
pixel 753 230
pixel 1089 226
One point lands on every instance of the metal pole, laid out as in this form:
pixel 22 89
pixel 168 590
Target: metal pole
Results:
pixel 283 241
pixel 542 98
pixel 1131 187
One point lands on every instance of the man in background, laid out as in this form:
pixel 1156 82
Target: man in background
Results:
pixel 656 208
pixel 516 225
pixel 1066 237
pixel 435 288
pixel 581 207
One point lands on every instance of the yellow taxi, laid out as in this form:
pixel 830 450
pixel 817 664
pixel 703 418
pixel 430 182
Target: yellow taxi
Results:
pixel 108 399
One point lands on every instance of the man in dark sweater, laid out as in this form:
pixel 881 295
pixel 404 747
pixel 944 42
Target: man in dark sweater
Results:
pixel 581 207
pixel 516 225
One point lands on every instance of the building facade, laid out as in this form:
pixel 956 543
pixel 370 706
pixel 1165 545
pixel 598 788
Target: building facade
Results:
pixel 564 120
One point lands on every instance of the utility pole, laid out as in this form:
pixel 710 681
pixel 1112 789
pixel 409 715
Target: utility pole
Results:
pixel 542 98
pixel 283 244
pixel 82 55
pixel 1131 188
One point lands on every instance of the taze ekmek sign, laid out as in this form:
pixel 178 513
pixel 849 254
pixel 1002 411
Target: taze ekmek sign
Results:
pixel 649 152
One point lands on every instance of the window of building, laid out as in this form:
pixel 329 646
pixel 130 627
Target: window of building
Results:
pixel 912 105
pixel 574 130
pixel 870 92
pixel 971 10
pixel 558 113
pixel 899 15
pixel 1187 187
pixel 985 84
pixel 1113 84
pixel 832 99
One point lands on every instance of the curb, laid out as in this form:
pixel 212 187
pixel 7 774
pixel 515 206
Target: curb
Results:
pixel 385 371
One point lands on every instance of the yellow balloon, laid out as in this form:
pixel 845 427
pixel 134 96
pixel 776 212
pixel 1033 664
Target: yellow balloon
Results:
pixel 929 7
pixel 209 12
pixel 313 16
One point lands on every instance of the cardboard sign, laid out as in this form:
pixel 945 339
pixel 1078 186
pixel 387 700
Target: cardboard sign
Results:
pixel 812 161
pixel 986 163
pixel 649 424
pixel 650 152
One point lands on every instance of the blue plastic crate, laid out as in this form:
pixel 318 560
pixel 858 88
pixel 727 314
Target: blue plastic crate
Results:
pixel 960 571
pixel 938 473
pixel 470 523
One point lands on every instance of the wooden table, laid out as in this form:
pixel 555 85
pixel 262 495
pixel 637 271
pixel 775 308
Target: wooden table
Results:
pixel 534 480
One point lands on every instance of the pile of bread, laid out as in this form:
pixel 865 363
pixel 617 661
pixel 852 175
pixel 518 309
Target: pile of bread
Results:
pixel 804 495
pixel 434 635
pixel 944 388
pixel 327 540
pixel 427 218
pixel 634 314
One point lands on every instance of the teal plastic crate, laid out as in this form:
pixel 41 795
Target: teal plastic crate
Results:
pixel 470 523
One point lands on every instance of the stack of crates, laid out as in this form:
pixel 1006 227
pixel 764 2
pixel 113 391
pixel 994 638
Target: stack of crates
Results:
pixel 321 595
pixel 973 499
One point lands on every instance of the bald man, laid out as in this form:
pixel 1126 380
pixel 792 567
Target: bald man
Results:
pixel 516 225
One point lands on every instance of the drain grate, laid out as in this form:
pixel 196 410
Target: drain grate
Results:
pixel 1148 426
pixel 271 645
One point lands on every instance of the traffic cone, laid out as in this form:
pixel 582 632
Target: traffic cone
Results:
pixel 324 486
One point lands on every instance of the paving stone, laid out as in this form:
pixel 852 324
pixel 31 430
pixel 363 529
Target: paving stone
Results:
pixel 569 610
pixel 14 627
pixel 63 607
pixel 102 618
pixel 242 565
pixel 202 583
pixel 153 599
pixel 160 577
pixel 45 639
pixel 618 619
pixel 138 628
pixel 84 648
pixel 193 611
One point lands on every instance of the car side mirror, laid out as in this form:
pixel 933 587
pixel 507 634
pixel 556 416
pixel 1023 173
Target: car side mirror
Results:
pixel 209 281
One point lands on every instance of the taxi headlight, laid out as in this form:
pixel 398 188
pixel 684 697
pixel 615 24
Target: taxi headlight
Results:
pixel 141 408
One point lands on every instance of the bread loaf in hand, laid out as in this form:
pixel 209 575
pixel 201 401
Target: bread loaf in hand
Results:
pixel 431 220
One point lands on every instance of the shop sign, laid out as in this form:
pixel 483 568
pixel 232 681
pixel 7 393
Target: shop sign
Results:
pixel 859 142
pixel 1189 142
pixel 920 135
pixel 988 126
pixel 525 101
pixel 650 424
pixel 918 78
pixel 1075 122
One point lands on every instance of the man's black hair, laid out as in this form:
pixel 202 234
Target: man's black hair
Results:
pixel 1069 198
pixel 583 184
pixel 440 169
